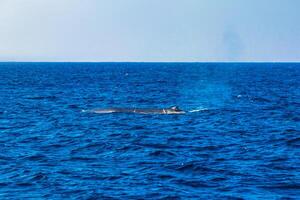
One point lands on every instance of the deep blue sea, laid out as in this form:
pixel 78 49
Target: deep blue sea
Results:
pixel 241 142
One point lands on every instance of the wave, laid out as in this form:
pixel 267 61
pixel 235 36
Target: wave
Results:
pixel 41 97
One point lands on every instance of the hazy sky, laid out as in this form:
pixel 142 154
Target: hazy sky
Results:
pixel 150 30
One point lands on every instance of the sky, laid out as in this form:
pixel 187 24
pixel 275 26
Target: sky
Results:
pixel 150 30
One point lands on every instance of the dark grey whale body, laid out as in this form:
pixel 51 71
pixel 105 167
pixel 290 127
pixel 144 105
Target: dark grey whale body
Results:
pixel 172 110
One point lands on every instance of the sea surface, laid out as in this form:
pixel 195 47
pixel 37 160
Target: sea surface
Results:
pixel 240 137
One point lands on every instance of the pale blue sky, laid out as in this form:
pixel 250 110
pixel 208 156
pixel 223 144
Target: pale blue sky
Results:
pixel 149 30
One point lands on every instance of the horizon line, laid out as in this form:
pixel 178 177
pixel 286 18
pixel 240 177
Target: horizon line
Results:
pixel 149 61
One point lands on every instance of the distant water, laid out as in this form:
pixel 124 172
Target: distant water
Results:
pixel 241 140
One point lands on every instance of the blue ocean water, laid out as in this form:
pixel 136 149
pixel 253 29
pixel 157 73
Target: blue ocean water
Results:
pixel 241 142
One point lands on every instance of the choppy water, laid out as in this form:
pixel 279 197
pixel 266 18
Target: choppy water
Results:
pixel 241 141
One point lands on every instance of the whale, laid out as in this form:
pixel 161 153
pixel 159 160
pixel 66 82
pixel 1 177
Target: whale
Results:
pixel 167 111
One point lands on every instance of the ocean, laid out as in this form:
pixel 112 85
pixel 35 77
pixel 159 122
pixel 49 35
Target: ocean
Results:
pixel 238 140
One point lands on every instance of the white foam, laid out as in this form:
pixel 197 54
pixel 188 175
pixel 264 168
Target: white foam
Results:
pixel 198 110
pixel 103 111
pixel 98 111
